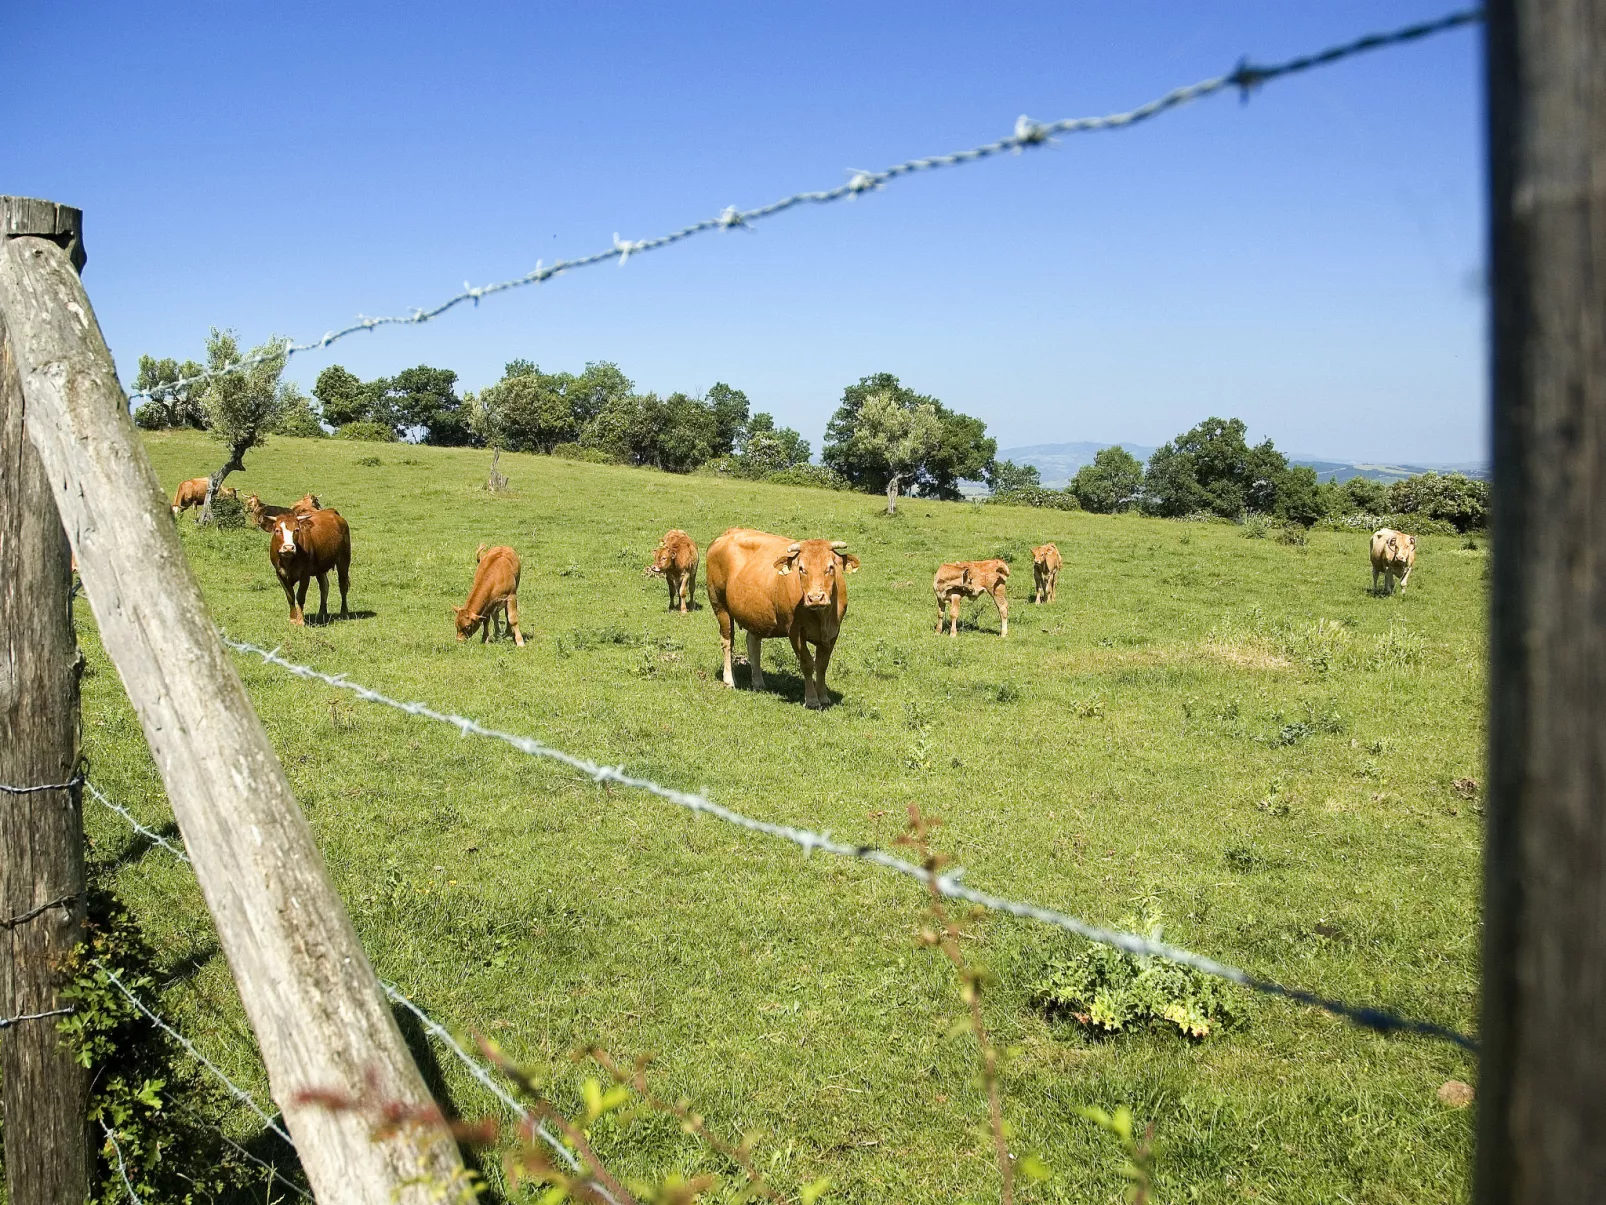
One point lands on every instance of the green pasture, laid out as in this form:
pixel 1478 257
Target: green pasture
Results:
pixel 1235 731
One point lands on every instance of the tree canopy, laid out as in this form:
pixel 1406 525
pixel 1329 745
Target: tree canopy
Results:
pixel 1113 482
pixel 1213 469
pixel 169 405
pixel 885 435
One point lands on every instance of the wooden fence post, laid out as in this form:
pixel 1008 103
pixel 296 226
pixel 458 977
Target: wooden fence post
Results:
pixel 319 1015
pixel 49 1153
pixel 1542 1095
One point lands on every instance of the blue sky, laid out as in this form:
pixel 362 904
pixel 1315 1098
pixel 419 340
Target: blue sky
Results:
pixel 1309 261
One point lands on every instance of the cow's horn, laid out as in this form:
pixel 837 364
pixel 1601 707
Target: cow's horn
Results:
pixel 838 545
pixel 793 549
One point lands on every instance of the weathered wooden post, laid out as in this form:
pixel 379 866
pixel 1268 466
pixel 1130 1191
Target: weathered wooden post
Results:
pixel 319 1015
pixel 48 1149
pixel 1542 1097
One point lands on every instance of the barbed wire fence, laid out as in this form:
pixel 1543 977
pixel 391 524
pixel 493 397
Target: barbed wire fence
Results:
pixel 1246 77
pixel 1027 134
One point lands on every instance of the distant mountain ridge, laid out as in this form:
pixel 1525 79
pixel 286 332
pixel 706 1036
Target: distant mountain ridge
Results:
pixel 1057 463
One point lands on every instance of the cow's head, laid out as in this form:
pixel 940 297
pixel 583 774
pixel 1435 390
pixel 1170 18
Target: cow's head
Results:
pixel 660 560
pixel 308 502
pixel 467 621
pixel 289 530
pixel 817 564
pixel 479 553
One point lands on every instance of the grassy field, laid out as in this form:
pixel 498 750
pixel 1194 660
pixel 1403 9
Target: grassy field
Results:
pixel 1235 730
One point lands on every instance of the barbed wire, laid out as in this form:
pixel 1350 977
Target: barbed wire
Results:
pixel 22 918
pixel 1245 77
pixel 75 781
pixel 239 1093
pixel 946 883
pixel 139 828
pixel 273 1172
pixel 121 1169
pixel 8 1022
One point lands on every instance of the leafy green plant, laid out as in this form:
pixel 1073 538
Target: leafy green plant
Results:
pixel 1256 526
pixel 369 462
pixel 1109 991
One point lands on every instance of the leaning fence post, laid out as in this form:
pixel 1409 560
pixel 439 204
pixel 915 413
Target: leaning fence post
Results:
pixel 320 1018
pixel 48 1149
pixel 1542 1094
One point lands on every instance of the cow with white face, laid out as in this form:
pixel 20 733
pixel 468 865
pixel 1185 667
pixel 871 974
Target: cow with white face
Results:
pixel 309 545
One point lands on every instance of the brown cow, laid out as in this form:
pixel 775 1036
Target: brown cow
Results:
pixel 495 594
pixel 773 586
pixel 1046 562
pixel 970 579
pixel 308 546
pixel 675 560
pixel 1393 555
pixel 193 493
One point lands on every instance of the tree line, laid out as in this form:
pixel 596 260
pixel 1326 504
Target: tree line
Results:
pixel 1213 470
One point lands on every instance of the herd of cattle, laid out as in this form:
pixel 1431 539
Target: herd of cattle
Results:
pixel 770 586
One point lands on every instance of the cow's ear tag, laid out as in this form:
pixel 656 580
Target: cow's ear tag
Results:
pixel 850 564
pixel 783 566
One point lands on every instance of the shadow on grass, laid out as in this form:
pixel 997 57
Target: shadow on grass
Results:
pixel 423 1052
pixel 139 844
pixel 191 964
pixel 786 684
pixel 314 621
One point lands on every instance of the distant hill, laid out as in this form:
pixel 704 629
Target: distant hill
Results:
pixel 1057 463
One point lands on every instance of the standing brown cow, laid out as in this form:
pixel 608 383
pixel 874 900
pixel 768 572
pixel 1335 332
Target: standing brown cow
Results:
pixel 193 493
pixel 1046 563
pixel 263 514
pixel 970 579
pixel 305 546
pixel 772 586
pixel 1393 556
pixel 495 594
pixel 675 560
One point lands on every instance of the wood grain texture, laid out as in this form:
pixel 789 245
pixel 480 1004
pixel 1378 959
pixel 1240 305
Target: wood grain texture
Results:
pixel 48 1149
pixel 1542 1097
pixel 319 1016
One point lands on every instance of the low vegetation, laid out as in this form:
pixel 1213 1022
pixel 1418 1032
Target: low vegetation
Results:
pixel 1236 734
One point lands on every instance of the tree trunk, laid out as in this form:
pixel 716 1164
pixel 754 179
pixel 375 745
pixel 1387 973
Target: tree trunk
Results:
pixel 236 463
pixel 48 1150
pixel 892 492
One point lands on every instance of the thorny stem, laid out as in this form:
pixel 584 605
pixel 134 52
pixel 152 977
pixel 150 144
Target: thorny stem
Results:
pixel 739 1155
pixel 946 939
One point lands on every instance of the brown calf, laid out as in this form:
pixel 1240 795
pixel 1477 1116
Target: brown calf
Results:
pixel 193 493
pixel 970 579
pixel 772 586
pixel 305 546
pixel 1046 562
pixel 675 560
pixel 494 595
pixel 263 514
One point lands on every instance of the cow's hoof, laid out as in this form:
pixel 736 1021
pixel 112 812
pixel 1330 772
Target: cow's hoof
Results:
pixel 814 704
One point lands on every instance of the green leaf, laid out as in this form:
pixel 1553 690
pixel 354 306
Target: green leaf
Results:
pixel 810 1193
pixel 1033 1168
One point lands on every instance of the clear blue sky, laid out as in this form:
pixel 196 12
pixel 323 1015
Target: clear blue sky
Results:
pixel 1309 261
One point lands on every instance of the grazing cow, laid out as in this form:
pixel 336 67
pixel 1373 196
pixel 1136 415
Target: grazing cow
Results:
pixel 970 579
pixel 193 493
pixel 263 514
pixel 773 586
pixel 1046 562
pixel 675 560
pixel 495 594
pixel 308 546
pixel 1393 556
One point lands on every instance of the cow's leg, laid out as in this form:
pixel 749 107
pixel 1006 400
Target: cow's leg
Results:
pixel 942 607
pixel 805 661
pixel 953 616
pixel 343 575
pixel 822 658
pixel 669 580
pixel 755 646
pixel 688 592
pixel 725 634
pixel 290 597
pixel 1405 578
pixel 1053 581
pixel 323 597
pixel 1002 600
pixel 513 619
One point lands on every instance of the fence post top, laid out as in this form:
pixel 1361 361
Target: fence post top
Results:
pixel 61 224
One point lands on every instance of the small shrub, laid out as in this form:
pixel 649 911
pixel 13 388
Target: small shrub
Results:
pixel 1016 554
pixel 1110 992
pixel 1035 495
pixel 585 455
pixel 720 466
pixel 228 512
pixel 1293 534
pixel 369 462
pixel 1256 526
pixel 366 432
pixel 815 476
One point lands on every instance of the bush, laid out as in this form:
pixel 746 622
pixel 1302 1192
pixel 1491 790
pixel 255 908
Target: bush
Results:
pixel 151 417
pixel 1452 498
pixel 1417 525
pixel 369 462
pixel 1256 526
pixel 1109 991
pixel 229 512
pixel 567 451
pixel 816 476
pixel 366 432
pixel 1036 495
pixel 721 466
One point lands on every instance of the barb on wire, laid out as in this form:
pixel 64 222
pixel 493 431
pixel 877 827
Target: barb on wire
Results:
pixel 75 781
pixel 1027 133
pixel 239 1093
pixel 946 883
pixel 22 918
pixel 8 1022
pixel 139 828
pixel 478 1070
pixel 122 1170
